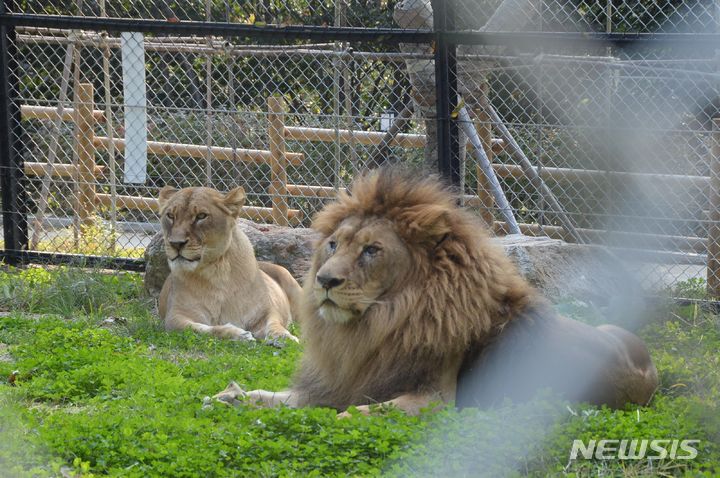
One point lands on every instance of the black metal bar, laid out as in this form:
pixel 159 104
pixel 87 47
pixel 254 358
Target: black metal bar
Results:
pixel 306 32
pixel 11 161
pixel 105 262
pixel 381 35
pixel 446 92
pixel 531 40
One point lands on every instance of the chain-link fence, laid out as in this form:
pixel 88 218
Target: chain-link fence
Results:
pixel 607 142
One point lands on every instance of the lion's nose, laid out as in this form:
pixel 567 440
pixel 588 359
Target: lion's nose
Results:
pixel 178 245
pixel 329 282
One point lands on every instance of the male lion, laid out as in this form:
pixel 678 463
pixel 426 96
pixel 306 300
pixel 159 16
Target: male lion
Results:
pixel 405 290
pixel 215 284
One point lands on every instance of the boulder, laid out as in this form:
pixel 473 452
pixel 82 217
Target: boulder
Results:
pixel 562 271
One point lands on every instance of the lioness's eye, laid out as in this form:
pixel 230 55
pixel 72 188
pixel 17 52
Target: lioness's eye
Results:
pixel 332 245
pixel 200 216
pixel 170 216
pixel 370 250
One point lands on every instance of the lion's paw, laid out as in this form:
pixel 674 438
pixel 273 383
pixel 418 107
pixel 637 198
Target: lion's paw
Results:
pixel 362 409
pixel 231 395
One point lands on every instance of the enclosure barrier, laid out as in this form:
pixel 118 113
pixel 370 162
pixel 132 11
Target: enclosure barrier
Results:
pixel 713 247
pixel 86 173
pixel 484 201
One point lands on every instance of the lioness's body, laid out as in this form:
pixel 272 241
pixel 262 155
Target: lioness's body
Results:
pixel 405 290
pixel 215 284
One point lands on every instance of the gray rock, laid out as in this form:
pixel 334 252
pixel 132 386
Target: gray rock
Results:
pixel 560 270
pixel 563 270
pixel 156 265
pixel 590 274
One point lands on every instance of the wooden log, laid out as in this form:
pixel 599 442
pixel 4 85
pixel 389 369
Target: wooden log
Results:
pixel 713 259
pixel 572 175
pixel 129 202
pixel 278 164
pixel 254 213
pixel 567 175
pixel 327 135
pixel 52 113
pixel 86 154
pixel 483 183
pixel 57 170
pixel 309 191
pixel 200 152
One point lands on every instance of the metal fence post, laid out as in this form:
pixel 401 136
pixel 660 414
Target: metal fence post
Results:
pixel 713 247
pixel 446 91
pixel 276 135
pixel 11 160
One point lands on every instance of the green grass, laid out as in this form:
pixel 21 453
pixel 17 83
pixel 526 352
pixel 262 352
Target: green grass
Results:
pixel 125 398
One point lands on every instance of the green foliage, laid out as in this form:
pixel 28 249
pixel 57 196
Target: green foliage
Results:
pixel 695 288
pixel 66 291
pixel 126 399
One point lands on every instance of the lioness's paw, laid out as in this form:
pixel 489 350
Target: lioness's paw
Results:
pixel 280 341
pixel 244 336
pixel 236 333
pixel 230 395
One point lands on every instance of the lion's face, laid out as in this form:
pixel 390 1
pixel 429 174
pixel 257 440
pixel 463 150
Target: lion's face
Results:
pixel 197 224
pixel 363 259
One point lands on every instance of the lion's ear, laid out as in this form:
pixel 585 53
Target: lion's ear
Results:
pixel 427 222
pixel 165 194
pixel 235 200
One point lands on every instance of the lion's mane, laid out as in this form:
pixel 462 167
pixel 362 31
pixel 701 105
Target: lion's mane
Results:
pixel 463 291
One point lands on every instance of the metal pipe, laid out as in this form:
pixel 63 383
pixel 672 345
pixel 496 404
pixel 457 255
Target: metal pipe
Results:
pixel 481 157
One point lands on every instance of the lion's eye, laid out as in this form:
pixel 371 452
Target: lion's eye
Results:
pixel 170 216
pixel 200 216
pixel 370 251
pixel 332 245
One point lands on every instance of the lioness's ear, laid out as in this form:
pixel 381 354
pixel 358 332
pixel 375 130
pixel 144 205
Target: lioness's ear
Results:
pixel 165 194
pixel 427 222
pixel 235 200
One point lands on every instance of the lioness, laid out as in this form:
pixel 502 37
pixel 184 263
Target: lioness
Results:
pixel 406 293
pixel 215 284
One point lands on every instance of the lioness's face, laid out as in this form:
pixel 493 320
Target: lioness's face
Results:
pixel 197 224
pixel 356 265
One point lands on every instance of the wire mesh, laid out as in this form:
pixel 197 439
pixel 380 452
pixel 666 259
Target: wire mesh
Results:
pixel 621 139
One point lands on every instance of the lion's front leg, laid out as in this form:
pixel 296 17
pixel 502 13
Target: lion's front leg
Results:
pixel 413 403
pixel 233 394
pixel 410 403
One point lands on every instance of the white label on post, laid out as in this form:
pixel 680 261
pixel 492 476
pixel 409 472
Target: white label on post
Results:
pixel 133 65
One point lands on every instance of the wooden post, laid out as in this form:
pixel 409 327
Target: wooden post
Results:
pixel 713 247
pixel 278 162
pixel 483 185
pixel 86 154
